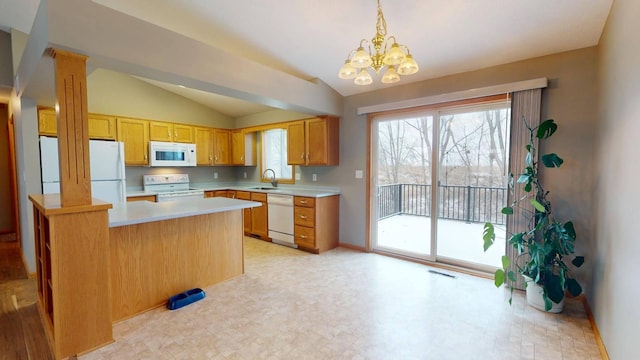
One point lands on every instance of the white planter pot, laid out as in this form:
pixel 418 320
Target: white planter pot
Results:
pixel 534 297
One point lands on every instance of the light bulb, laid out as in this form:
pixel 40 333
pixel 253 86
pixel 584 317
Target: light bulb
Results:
pixel 390 76
pixel 408 66
pixel 361 59
pixel 363 78
pixel 347 71
pixel 394 56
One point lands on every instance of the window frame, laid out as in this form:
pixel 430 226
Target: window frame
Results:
pixel 263 153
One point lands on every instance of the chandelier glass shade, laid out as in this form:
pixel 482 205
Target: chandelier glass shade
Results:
pixel 395 59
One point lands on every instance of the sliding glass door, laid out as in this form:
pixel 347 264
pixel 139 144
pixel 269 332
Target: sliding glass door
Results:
pixel 403 184
pixel 438 176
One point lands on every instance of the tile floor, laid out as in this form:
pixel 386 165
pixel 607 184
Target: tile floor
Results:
pixel 349 305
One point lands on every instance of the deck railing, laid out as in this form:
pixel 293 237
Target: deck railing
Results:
pixel 465 203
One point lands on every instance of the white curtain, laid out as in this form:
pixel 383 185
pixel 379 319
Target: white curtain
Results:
pixel 523 104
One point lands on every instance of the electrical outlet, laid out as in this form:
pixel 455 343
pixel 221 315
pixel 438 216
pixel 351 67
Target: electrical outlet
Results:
pixel 359 174
pixel 245 174
pixel 215 175
pixel 314 177
pixel 297 176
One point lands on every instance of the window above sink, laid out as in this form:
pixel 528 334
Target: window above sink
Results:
pixel 274 156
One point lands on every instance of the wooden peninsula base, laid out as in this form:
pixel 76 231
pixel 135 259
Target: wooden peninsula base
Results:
pixel 152 261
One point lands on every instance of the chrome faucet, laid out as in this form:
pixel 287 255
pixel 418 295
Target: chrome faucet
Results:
pixel 274 182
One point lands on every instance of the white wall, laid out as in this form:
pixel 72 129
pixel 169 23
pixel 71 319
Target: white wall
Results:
pixel 616 292
pixel 25 115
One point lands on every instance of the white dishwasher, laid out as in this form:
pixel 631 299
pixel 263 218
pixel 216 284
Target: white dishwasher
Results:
pixel 280 208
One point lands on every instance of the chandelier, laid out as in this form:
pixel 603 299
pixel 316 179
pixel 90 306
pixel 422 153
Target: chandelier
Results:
pixel 396 60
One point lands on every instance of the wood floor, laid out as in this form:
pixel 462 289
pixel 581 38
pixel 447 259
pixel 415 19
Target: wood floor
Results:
pixel 21 332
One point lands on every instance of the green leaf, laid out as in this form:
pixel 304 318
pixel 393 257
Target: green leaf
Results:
pixel 512 276
pixel 578 261
pixel 571 231
pixel 527 187
pixel 573 287
pixel 537 205
pixel 551 160
pixel 554 288
pixel 547 302
pixel 505 262
pixel 507 210
pixel 488 235
pixel 546 129
pixel 498 277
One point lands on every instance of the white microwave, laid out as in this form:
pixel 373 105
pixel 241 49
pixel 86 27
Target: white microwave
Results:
pixel 171 154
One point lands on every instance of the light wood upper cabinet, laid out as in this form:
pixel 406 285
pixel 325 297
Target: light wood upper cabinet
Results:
pixel 183 133
pixel 221 145
pixel 101 127
pixel 135 135
pixel 165 131
pixel 296 150
pixel 160 131
pixel 314 141
pixel 243 148
pixel 204 145
pixel 47 123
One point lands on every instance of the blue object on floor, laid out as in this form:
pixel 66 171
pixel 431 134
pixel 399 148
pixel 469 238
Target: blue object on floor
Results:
pixel 185 298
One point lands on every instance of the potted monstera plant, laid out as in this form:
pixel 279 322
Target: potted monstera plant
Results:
pixel 545 248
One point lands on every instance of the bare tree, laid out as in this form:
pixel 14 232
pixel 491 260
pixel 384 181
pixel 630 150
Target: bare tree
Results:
pixel 392 148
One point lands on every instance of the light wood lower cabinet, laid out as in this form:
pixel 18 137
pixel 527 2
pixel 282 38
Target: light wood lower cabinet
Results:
pixel 316 223
pixel 255 219
pixel 245 195
pixel 259 216
pixel 72 267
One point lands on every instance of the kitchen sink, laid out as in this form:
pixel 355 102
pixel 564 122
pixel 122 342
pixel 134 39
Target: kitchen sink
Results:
pixel 266 188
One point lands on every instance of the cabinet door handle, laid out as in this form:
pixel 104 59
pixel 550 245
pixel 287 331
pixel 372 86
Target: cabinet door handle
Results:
pixel 302 217
pixel 241 157
pixel 303 201
pixel 169 134
pixel 303 236
pixel 175 133
pixel 302 156
pixel 145 156
pixel 307 156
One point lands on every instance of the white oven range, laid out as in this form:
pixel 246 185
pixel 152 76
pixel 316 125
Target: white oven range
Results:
pixel 171 187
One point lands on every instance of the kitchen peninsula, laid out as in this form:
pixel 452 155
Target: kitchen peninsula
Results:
pixel 160 249
pixel 153 251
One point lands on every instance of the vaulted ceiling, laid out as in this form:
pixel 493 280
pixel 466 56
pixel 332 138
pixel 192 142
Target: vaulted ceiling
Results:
pixel 311 39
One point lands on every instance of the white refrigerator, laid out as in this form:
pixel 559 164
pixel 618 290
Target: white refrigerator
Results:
pixel 106 164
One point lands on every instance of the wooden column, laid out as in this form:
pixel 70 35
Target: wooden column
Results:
pixel 73 127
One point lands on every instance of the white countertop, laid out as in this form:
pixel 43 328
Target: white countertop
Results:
pixel 284 190
pixel 145 211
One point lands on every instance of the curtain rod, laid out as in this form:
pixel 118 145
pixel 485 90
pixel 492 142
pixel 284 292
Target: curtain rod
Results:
pixel 457 95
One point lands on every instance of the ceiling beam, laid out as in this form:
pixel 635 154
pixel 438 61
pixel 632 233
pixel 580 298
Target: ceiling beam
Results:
pixel 120 42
